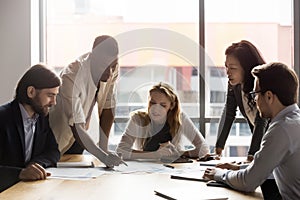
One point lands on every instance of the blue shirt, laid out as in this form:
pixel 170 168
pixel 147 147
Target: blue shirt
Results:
pixel 29 129
pixel 280 151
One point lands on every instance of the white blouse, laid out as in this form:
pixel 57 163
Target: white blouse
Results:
pixel 187 134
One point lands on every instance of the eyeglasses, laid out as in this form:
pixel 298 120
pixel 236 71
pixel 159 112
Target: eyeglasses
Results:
pixel 253 94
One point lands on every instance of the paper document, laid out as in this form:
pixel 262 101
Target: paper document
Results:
pixel 75 173
pixel 222 160
pixel 143 167
pixel 210 163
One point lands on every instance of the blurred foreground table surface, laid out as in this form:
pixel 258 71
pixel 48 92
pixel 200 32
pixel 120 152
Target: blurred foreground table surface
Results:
pixel 116 186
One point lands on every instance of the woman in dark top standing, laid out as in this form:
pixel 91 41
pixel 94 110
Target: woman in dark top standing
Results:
pixel 241 57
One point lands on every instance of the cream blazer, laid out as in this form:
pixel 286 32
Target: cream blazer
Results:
pixel 75 99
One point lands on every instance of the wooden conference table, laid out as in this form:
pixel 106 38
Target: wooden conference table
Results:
pixel 119 186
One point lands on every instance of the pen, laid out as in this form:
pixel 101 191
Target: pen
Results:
pixel 163 195
pixel 170 166
pixel 123 162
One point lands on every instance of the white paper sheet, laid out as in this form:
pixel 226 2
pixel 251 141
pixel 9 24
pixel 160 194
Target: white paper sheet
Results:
pixel 75 173
pixel 143 167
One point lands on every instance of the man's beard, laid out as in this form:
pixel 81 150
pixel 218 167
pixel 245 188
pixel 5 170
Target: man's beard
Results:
pixel 37 107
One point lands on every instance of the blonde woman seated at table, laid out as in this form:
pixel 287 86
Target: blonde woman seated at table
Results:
pixel 159 132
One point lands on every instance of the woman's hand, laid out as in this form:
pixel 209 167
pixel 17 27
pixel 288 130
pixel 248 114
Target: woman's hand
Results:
pixel 167 149
pixel 218 151
pixel 112 159
pixel 249 158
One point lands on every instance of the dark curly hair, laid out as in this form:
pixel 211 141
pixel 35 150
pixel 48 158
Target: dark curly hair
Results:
pixel 38 76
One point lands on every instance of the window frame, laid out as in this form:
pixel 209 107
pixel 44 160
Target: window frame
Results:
pixel 202 120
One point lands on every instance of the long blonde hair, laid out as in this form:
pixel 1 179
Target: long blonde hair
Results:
pixel 173 116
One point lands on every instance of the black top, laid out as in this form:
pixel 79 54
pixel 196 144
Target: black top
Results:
pixel 152 143
pixel 234 100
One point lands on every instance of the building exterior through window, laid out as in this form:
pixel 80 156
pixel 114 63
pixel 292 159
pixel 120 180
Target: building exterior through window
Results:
pixel 72 25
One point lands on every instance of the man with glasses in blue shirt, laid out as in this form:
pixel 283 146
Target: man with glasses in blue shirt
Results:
pixel 276 96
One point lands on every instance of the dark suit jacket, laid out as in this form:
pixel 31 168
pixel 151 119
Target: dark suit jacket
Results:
pixel 234 100
pixel 12 157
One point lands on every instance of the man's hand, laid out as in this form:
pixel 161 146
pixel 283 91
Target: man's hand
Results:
pixel 209 174
pixel 33 172
pixel 231 166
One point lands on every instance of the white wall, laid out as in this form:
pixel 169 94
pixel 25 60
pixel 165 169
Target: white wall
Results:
pixel 15 50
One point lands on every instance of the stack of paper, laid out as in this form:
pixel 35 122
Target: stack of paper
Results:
pixel 75 164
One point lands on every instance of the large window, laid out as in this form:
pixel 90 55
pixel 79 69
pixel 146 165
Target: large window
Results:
pixel 268 24
pixel 159 41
